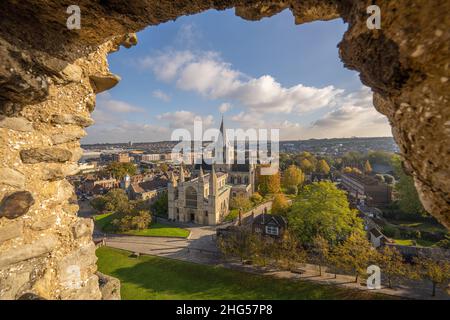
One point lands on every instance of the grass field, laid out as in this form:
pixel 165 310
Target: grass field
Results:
pixel 409 242
pixel 103 222
pixel 156 278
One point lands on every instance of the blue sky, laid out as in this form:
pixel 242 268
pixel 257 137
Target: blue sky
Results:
pixel 266 74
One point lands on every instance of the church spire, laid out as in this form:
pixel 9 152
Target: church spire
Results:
pixel 224 142
pixel 182 178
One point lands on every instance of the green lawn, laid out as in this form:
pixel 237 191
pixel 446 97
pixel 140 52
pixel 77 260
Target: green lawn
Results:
pixel 232 215
pixel 156 278
pixel 409 242
pixel 103 222
pixel 160 230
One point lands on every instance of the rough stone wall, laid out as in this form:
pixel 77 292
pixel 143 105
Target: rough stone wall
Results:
pixel 49 76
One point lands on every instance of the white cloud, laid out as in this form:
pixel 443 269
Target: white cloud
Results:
pixel 166 66
pixel 106 104
pixel 224 107
pixel 353 116
pixel 206 74
pixel 185 119
pixel 159 94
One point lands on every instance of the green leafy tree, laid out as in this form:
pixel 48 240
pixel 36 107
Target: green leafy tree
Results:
pixel 306 165
pixel 293 177
pixel 99 203
pixel 408 198
pixel 120 169
pixel 390 260
pixel 268 183
pixel 288 253
pixel 322 209
pixel 164 167
pixel 321 251
pixel 436 270
pixel 323 167
pixel 354 254
pixel 256 198
pixel 240 202
pixel 280 204
pixel 161 205
pixel 380 157
pixel 117 201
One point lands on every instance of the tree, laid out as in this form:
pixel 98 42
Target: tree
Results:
pixel 161 205
pixel 293 177
pixel 323 167
pixel 321 251
pixel 306 166
pixel 141 220
pixel 380 157
pixel 408 198
pixel 120 169
pixel 240 202
pixel 117 201
pixel 99 203
pixel 390 260
pixel 256 198
pixel 322 209
pixel 436 270
pixel 288 253
pixel 367 167
pixel 268 183
pixel 347 170
pixel 164 167
pixel 354 254
pixel 352 158
pixel 279 204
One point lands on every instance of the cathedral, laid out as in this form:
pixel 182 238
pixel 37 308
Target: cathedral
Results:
pixel 205 198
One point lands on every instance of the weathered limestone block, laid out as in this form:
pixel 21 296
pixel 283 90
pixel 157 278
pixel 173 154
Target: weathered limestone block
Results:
pixel 54 172
pixel 109 287
pixel 62 119
pixel 44 223
pixel 103 82
pixel 12 178
pixel 16 123
pixel 36 155
pixel 73 276
pixel 88 290
pixel 10 231
pixel 39 247
pixel 83 228
pixel 11 287
pixel 68 136
pixel 16 204
pixel 72 73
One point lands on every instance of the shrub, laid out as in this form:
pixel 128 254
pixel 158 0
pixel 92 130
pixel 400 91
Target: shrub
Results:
pixel 292 190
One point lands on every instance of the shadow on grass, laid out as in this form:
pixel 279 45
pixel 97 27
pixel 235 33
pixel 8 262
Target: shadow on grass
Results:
pixel 151 277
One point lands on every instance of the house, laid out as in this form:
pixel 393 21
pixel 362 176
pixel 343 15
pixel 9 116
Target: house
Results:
pixel 377 238
pixel 362 187
pixel 269 225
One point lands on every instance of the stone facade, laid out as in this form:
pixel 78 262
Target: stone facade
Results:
pixel 50 75
pixel 203 200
